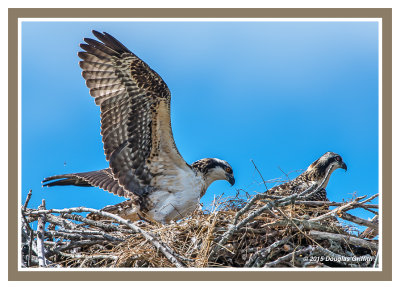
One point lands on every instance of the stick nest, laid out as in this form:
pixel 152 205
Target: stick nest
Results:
pixel 262 231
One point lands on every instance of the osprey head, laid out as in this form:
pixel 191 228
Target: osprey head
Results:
pixel 325 162
pixel 214 169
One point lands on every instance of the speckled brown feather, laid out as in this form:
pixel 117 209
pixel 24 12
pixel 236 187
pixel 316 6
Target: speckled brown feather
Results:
pixel 135 112
pixel 295 186
pixel 314 174
pixel 102 179
pixel 144 163
pixel 298 185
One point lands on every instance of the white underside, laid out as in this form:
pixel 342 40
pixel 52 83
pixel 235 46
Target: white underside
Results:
pixel 179 200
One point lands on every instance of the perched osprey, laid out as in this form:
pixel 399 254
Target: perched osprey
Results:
pixel 315 174
pixel 144 163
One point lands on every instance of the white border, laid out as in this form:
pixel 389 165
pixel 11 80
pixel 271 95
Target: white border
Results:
pixel 200 19
pixel 20 20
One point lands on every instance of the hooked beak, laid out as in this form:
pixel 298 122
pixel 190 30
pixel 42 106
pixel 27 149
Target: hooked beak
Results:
pixel 343 166
pixel 231 180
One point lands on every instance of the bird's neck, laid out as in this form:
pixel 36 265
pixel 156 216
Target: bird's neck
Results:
pixel 319 175
pixel 209 179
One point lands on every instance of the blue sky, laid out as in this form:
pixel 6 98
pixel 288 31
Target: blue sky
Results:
pixel 279 93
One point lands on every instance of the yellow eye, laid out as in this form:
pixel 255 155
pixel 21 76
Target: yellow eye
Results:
pixel 228 170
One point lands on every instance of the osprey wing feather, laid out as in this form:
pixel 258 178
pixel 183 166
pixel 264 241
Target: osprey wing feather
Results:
pixel 135 113
pixel 144 163
pixel 102 179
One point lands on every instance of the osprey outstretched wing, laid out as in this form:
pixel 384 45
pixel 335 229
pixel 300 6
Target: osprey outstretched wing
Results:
pixel 144 163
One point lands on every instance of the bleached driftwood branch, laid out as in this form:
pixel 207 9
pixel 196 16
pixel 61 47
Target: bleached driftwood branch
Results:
pixel 163 248
pixel 40 236
pixel 343 238
pixel 285 236
pixel 28 197
pixel 357 220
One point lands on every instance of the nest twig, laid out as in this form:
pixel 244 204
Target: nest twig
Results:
pixel 237 232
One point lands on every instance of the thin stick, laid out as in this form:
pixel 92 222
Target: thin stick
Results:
pixel 343 238
pixel 260 175
pixel 106 227
pixel 71 245
pixel 367 208
pixel 25 221
pixel 369 199
pixel 287 176
pixel 61 222
pixel 357 220
pixel 168 253
pixel 289 256
pixel 79 236
pixel 260 256
pixel 30 249
pixel 41 235
pixel 28 197
pixel 88 257
pixel 333 204
pixel 247 207
pixel 346 207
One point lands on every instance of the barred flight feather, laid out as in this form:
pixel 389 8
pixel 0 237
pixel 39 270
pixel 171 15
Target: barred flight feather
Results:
pixel 144 163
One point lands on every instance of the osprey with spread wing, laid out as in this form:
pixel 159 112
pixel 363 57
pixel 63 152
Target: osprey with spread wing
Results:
pixel 144 164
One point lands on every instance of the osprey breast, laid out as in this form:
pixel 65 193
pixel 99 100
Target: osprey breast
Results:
pixel 180 200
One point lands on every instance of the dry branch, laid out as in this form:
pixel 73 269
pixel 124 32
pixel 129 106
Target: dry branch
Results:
pixel 28 197
pixel 357 220
pixel 267 207
pixel 338 210
pixel 282 232
pixel 168 253
pixel 259 258
pixel 343 238
pixel 371 232
pixel 40 236
pixel 289 256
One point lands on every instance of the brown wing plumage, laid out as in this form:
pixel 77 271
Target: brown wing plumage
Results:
pixel 102 179
pixel 298 185
pixel 135 113
pixel 314 175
